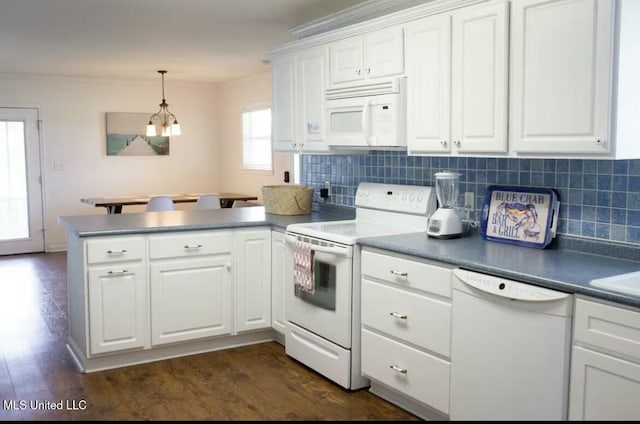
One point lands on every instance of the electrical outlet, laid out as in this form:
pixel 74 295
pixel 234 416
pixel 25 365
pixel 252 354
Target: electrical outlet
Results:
pixel 327 185
pixel 468 200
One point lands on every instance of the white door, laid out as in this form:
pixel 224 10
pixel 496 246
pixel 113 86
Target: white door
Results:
pixel 283 116
pixel 281 256
pixel 190 299
pixel 561 75
pixel 429 85
pixel 479 78
pixel 252 279
pixel 117 308
pixel 346 60
pixel 312 71
pixel 383 52
pixel 21 227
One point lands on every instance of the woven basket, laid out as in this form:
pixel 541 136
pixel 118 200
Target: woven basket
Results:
pixel 288 199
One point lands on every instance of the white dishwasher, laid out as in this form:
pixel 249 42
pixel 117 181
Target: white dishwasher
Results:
pixel 510 349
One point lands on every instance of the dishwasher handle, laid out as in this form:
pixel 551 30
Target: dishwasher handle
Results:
pixel 507 289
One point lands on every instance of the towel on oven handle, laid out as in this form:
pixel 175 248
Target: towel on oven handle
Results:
pixel 303 266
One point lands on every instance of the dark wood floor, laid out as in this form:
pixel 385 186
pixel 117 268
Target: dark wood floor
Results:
pixel 258 382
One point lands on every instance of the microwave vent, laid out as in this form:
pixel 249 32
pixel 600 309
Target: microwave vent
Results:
pixel 363 90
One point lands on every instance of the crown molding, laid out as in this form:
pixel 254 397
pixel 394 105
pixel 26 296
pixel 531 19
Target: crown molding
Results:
pixel 361 12
pixel 336 26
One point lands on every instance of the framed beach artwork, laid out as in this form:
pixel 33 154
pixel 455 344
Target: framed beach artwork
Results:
pixel 126 136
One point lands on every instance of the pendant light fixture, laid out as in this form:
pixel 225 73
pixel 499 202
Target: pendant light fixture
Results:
pixel 167 120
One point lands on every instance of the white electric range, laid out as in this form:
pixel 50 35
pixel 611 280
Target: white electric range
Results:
pixel 323 325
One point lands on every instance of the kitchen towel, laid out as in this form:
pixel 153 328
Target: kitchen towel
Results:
pixel 303 267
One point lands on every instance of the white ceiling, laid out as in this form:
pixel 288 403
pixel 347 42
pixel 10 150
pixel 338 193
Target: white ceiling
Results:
pixel 194 40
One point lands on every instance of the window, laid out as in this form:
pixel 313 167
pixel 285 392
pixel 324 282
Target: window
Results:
pixel 256 140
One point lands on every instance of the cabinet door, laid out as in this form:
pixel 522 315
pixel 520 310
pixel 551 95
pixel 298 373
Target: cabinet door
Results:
pixel 284 104
pixel 190 299
pixel 117 308
pixel 428 85
pixel 561 75
pixel 603 388
pixel 252 279
pixel 278 277
pixel 346 57
pixel 384 52
pixel 479 78
pixel 312 68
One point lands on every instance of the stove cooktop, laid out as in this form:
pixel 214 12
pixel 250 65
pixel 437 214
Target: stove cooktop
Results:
pixel 347 232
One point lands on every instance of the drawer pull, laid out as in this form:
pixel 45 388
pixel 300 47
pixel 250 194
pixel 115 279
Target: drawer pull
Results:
pixel 124 271
pixel 192 246
pixel 398 369
pixel 116 252
pixel 399 273
pixel 397 315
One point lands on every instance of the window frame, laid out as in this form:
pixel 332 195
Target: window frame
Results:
pixel 247 169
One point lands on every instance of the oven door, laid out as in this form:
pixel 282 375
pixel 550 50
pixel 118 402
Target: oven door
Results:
pixel 326 312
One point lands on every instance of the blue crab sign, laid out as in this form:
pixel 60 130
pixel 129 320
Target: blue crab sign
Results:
pixel 523 217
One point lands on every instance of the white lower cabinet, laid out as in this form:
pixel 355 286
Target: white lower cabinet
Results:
pixel 116 293
pixel 406 330
pixel 605 362
pixel 118 307
pixel 280 272
pixel 190 280
pixel 190 299
pixel 252 263
pixel 140 298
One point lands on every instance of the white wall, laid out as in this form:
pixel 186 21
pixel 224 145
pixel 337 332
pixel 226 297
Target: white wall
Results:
pixel 233 97
pixel 73 134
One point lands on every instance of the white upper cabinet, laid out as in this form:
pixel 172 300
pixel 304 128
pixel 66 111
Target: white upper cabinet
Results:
pixel 283 104
pixel 457 77
pixel 479 78
pixel 429 85
pixel 372 55
pixel 312 69
pixel 561 73
pixel 299 82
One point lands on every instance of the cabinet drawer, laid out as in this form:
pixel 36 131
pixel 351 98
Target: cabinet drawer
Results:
pixel 407 273
pixel 408 316
pixel 611 328
pixel 115 249
pixel 188 244
pixel 414 373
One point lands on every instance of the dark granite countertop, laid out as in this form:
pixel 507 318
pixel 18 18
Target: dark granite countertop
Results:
pixel 194 220
pixel 558 269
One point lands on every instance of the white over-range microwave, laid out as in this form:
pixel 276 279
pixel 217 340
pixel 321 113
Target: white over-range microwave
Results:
pixel 367 115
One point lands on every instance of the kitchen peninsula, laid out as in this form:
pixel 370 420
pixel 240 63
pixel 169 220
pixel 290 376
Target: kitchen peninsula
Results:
pixel 155 285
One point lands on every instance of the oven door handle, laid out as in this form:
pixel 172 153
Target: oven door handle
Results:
pixel 326 249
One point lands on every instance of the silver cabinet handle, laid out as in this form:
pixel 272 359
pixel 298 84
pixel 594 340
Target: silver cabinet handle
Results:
pixel 444 143
pixel 397 315
pixel 192 246
pixel 358 71
pixel 399 273
pixel 116 252
pixel 398 369
pixel 124 271
pixel 599 142
pixel 457 143
pixel 228 266
pixel 368 70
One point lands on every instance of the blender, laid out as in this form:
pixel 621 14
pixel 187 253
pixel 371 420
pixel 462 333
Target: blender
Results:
pixel 446 221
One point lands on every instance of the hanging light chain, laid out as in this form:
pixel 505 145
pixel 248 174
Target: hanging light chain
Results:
pixel 164 116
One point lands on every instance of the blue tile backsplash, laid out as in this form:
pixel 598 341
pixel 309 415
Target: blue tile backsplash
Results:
pixel 599 198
